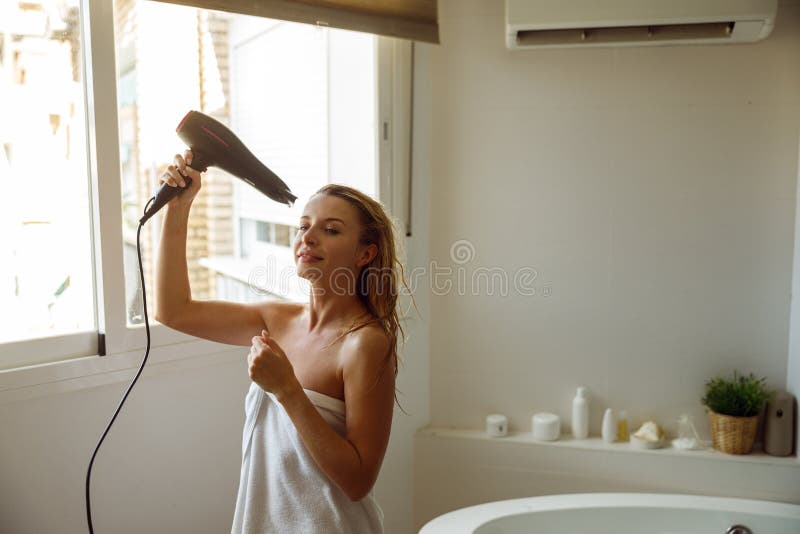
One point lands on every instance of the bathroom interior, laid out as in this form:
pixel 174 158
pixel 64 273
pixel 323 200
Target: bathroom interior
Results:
pixel 615 218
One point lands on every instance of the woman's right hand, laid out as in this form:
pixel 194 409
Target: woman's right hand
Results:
pixel 174 175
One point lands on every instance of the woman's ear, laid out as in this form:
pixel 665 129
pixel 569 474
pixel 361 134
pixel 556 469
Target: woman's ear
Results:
pixel 367 255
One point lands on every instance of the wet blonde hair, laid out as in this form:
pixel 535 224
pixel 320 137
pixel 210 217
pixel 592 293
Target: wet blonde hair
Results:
pixel 379 281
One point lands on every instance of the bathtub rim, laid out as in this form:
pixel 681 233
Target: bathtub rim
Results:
pixel 470 518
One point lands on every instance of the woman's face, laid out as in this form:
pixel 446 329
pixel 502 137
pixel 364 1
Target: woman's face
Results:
pixel 327 240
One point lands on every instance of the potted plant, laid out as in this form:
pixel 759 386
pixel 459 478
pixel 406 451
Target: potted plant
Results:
pixel 733 408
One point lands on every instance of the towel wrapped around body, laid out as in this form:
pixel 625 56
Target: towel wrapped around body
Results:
pixel 281 488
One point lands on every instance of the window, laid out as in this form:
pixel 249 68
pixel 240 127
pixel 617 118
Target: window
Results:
pixel 46 278
pixel 308 101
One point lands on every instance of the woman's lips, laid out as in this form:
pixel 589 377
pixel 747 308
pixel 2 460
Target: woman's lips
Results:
pixel 307 258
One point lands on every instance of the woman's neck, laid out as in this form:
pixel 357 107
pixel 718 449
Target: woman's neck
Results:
pixel 332 311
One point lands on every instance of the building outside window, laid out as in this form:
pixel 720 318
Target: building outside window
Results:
pixel 46 278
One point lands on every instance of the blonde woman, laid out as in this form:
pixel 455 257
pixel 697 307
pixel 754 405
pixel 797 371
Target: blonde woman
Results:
pixel 319 410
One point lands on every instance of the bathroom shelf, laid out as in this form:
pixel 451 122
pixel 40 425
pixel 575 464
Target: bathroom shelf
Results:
pixel 598 445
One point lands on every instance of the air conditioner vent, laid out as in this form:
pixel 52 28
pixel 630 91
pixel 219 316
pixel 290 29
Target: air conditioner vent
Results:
pixel 626 34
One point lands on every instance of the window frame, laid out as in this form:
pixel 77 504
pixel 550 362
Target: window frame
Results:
pixel 69 358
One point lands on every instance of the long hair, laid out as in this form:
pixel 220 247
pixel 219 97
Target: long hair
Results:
pixel 378 283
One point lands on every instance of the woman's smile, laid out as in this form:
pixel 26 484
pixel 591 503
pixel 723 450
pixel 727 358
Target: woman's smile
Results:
pixel 307 258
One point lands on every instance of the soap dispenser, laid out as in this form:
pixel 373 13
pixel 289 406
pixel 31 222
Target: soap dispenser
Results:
pixel 580 415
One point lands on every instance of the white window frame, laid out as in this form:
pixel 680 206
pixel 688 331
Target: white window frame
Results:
pixel 395 78
pixel 74 361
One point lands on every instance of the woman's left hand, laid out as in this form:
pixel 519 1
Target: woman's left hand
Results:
pixel 270 368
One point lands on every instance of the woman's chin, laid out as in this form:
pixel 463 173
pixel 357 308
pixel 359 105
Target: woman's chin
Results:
pixel 309 272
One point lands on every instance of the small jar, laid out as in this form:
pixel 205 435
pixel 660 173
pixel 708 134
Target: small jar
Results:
pixel 496 425
pixel 546 426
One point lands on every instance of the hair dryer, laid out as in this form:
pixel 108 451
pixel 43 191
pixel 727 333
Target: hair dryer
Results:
pixel 214 145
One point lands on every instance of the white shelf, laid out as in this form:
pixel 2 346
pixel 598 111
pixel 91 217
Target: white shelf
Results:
pixel 598 445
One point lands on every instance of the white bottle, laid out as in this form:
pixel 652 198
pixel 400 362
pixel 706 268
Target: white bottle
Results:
pixel 609 426
pixel 580 415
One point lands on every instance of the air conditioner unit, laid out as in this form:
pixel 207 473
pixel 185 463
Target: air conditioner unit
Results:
pixel 583 23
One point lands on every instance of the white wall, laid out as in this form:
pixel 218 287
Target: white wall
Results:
pixel 793 368
pixel 170 462
pixel 652 189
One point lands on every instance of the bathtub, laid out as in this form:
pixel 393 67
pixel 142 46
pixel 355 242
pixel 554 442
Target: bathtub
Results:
pixel 619 513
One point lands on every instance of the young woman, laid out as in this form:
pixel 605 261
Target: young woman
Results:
pixel 319 410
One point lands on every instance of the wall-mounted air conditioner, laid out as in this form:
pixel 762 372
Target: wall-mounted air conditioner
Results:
pixel 581 23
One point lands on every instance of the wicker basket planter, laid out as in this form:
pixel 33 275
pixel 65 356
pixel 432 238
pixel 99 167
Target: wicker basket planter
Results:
pixel 733 435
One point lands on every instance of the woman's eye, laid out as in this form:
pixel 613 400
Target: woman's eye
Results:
pixel 304 228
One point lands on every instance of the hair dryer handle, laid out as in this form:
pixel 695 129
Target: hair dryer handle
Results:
pixel 164 194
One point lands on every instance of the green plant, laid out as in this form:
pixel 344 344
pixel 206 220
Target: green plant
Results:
pixel 744 396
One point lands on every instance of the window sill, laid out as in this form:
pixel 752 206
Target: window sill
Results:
pixel 87 372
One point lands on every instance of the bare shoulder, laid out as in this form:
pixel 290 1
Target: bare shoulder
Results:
pixel 367 347
pixel 371 336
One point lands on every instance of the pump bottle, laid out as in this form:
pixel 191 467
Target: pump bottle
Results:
pixel 580 415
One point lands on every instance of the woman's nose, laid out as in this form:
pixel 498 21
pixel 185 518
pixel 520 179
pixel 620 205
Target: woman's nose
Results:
pixel 309 236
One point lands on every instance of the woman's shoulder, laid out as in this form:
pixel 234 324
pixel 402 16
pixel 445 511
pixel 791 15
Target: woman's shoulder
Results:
pixel 370 339
pixel 366 353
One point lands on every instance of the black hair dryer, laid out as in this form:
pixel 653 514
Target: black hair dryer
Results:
pixel 214 145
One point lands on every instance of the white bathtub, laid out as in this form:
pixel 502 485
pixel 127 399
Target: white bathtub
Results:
pixel 619 513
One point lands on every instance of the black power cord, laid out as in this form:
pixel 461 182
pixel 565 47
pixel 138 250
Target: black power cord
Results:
pixel 146 354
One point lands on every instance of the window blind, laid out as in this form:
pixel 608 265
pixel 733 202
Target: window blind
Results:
pixel 406 19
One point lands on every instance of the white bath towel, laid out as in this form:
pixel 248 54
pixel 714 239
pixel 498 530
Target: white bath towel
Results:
pixel 281 488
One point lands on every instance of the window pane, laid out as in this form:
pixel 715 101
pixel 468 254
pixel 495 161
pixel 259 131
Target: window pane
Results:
pixel 301 98
pixel 46 279
pixel 263 231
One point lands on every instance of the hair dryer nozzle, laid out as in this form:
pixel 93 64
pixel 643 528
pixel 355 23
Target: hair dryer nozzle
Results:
pixel 214 145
